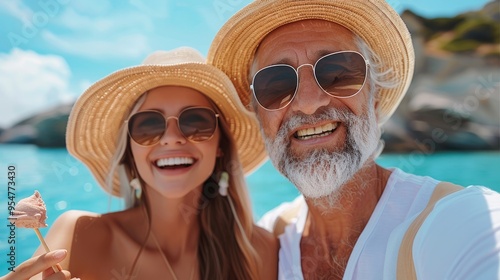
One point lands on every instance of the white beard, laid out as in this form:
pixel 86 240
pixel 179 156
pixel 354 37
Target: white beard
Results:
pixel 321 172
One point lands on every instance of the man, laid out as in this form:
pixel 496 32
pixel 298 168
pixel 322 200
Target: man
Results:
pixel 322 77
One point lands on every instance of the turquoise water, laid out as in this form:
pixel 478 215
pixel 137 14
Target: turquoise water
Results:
pixel 67 184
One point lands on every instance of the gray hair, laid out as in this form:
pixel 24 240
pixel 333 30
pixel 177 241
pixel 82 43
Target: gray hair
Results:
pixel 377 77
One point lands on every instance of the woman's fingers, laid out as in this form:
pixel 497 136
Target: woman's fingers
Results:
pixel 49 274
pixel 36 265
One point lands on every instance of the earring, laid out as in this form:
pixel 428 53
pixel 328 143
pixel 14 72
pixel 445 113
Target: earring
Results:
pixel 223 183
pixel 210 187
pixel 136 185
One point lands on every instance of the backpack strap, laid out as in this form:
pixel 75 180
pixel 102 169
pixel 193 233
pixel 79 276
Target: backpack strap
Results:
pixel 405 265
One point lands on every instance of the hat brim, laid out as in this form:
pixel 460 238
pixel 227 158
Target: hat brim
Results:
pixel 99 113
pixel 374 21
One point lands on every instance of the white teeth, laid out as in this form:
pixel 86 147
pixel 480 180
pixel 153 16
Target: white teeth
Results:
pixel 174 161
pixel 316 131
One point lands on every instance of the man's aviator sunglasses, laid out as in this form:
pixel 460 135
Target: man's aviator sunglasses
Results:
pixel 339 74
pixel 196 124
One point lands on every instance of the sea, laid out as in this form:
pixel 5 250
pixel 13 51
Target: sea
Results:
pixel 66 184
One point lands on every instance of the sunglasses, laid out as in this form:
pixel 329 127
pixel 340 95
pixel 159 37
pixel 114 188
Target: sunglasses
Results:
pixel 340 74
pixel 196 124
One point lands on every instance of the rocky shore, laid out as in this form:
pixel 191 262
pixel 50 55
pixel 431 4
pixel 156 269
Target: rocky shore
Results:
pixel 453 102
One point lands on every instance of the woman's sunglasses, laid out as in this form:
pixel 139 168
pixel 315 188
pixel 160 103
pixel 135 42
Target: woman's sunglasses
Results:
pixel 340 74
pixel 196 124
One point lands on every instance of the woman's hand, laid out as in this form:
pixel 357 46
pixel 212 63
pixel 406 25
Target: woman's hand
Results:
pixel 42 263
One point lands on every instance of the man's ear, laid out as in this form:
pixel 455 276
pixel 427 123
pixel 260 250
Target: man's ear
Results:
pixel 376 104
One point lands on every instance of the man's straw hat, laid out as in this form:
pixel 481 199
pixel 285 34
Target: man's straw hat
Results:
pixel 98 114
pixel 374 21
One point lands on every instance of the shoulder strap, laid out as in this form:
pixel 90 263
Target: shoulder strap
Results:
pixel 405 266
pixel 285 218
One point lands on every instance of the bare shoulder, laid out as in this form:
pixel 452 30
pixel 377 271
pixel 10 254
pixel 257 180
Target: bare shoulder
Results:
pixel 61 232
pixel 69 218
pixel 267 246
pixel 66 224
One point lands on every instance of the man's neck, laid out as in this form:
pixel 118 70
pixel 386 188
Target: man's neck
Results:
pixel 331 231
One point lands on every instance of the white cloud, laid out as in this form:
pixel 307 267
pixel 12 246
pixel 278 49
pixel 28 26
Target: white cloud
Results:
pixel 157 9
pixel 94 7
pixel 75 20
pixel 121 45
pixel 84 85
pixel 100 34
pixel 30 83
pixel 18 10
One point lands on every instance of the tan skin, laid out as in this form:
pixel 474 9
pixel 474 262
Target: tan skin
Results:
pixel 104 246
pixel 329 234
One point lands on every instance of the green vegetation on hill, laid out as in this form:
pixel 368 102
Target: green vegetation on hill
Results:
pixel 470 30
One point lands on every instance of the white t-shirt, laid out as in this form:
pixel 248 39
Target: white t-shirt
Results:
pixel 460 239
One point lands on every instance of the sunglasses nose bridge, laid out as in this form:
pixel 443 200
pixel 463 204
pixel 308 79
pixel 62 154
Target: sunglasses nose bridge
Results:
pixel 175 135
pixel 302 65
pixel 313 74
pixel 171 117
pixel 309 89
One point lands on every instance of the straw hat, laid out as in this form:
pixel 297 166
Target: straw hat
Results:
pixel 374 21
pixel 98 114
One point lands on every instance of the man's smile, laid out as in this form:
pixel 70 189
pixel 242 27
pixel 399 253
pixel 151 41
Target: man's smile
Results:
pixel 317 131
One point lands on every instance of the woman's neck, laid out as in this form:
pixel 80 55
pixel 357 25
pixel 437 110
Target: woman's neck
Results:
pixel 175 223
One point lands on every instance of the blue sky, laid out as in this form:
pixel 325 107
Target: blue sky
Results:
pixel 52 50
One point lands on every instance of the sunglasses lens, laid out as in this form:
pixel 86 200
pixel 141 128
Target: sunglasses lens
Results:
pixel 341 74
pixel 198 124
pixel 146 128
pixel 274 86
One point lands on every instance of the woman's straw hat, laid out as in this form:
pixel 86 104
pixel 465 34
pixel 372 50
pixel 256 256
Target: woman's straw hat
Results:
pixel 374 21
pixel 100 112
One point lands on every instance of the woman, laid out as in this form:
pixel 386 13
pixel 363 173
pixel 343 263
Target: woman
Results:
pixel 168 137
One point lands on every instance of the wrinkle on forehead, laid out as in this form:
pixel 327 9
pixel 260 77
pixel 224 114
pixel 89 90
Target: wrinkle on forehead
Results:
pixel 341 39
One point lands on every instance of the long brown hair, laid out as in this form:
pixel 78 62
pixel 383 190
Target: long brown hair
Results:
pixel 225 250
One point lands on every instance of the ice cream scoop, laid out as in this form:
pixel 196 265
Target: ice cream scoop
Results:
pixel 30 212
